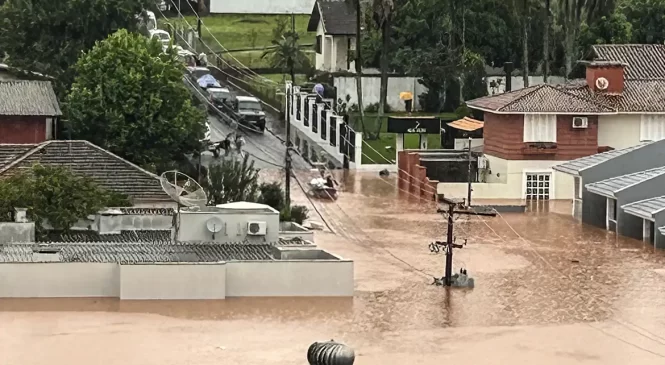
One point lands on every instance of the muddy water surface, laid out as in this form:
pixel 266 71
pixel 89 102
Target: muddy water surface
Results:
pixel 548 291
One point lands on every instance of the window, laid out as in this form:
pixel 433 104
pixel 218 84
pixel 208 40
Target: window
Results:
pixel 577 197
pixel 652 127
pixel 319 41
pixel 538 186
pixel 539 128
pixel 611 209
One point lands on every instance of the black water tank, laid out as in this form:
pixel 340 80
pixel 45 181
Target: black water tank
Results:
pixel 330 353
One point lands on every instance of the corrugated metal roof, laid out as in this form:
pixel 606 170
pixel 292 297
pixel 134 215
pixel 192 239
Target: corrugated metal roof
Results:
pixel 645 208
pixel 467 124
pixel 140 252
pixel 574 167
pixel 662 230
pixel 609 187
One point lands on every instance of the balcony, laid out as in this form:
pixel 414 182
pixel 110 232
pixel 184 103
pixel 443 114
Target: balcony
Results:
pixel 539 148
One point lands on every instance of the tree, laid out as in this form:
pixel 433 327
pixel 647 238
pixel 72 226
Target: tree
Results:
pixel 612 29
pixel 358 61
pixel 129 98
pixel 383 13
pixel 647 18
pixel 232 181
pixel 547 9
pixel 287 55
pixel 272 194
pixel 54 195
pixel 48 36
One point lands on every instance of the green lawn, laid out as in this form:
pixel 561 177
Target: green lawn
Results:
pixel 239 31
pixel 379 154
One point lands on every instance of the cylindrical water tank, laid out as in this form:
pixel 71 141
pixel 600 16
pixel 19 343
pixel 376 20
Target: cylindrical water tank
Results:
pixel 330 353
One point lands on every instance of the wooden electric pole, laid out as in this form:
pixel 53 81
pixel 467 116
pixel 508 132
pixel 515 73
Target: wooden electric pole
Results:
pixel 289 110
pixel 469 188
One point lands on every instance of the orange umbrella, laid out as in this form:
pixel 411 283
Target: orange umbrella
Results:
pixel 406 95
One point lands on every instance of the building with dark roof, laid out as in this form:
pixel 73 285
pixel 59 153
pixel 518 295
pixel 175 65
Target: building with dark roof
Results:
pixel 84 158
pixel 622 190
pixel 334 22
pixel 619 104
pixel 29 111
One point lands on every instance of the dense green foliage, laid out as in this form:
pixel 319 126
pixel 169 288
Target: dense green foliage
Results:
pixel 54 195
pixel 272 194
pixel 232 180
pixel 128 97
pixel 48 36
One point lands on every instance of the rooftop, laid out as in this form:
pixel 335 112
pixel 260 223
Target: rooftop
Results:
pixel 644 87
pixel 136 252
pixel 28 98
pixel 645 208
pixel 338 17
pixel 611 186
pixel 574 167
pixel 127 236
pixel 84 158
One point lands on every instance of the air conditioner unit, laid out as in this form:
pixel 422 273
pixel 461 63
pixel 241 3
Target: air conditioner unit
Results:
pixel 256 228
pixel 580 122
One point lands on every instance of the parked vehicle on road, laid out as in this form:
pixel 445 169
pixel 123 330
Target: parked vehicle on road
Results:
pixel 220 97
pixel 162 36
pixel 251 112
pixel 196 72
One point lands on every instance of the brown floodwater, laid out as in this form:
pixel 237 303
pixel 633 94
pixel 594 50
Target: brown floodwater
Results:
pixel 548 291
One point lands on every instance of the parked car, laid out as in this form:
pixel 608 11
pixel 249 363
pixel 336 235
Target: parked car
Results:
pixel 162 36
pixel 196 72
pixel 251 112
pixel 220 97
pixel 164 5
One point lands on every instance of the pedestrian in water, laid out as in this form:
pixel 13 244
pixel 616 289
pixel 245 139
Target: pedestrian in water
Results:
pixel 239 143
pixel 226 145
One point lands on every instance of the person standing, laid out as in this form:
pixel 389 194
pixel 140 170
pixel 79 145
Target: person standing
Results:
pixel 407 96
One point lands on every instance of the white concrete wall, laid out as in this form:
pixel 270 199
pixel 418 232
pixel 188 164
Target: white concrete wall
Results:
pixel 507 181
pixel 372 90
pixel 619 131
pixel 518 82
pixel 463 143
pixel 289 278
pixel 173 281
pixel 261 6
pixel 59 280
pixel 17 232
pixel 319 58
pixel 193 226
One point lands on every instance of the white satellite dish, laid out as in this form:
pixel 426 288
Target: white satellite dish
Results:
pixel 214 225
pixel 183 189
pixel 602 83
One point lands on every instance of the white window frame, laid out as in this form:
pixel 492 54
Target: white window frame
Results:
pixel 652 127
pixel 611 213
pixel 549 172
pixel 540 128
pixel 577 192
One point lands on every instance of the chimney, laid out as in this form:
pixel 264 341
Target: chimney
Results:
pixel 508 68
pixel 606 77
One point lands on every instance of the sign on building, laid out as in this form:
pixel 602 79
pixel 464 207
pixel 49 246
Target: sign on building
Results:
pixel 414 125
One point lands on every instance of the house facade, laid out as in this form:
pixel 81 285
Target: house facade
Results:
pixel 29 111
pixel 622 190
pixel 619 104
pixel 334 22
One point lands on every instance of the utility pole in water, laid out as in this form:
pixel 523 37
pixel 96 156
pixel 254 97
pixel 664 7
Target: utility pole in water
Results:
pixel 289 110
pixel 470 188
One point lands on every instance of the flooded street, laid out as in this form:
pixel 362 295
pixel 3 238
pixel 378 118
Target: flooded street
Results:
pixel 547 290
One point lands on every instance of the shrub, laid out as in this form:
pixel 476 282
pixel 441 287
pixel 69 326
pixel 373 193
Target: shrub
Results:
pixel 374 108
pixel 272 194
pixel 299 213
pixel 463 111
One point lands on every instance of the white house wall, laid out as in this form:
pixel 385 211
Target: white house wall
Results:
pixel 261 6
pixel 59 280
pixel 177 281
pixel 518 82
pixel 173 281
pixel 619 131
pixel 511 180
pixel 372 90
pixel 289 278
pixel 320 57
pixel 192 227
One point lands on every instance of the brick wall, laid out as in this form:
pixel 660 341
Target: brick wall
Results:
pixel 412 177
pixel 22 129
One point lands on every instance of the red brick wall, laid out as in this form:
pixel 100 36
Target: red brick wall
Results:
pixel 613 74
pixel 412 177
pixel 22 129
pixel 504 138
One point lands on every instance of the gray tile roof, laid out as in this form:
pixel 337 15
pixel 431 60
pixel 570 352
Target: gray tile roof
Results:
pixel 338 17
pixel 645 208
pixel 609 187
pixel 138 253
pixel 28 98
pixel 84 158
pixel 542 98
pixel 89 236
pixel 574 167
pixel 645 61
pixel 10 152
pixel 637 96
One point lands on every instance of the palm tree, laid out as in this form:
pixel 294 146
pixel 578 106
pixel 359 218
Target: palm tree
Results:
pixel 383 12
pixel 286 55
